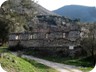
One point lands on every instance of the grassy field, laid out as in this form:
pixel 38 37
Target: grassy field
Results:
pixel 84 64
pixel 13 63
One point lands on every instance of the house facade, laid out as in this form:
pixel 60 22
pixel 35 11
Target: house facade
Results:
pixel 68 35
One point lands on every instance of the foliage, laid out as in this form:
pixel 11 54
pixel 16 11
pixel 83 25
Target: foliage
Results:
pixel 26 3
pixel 89 42
pixel 4 30
pixel 20 13
pixel 18 47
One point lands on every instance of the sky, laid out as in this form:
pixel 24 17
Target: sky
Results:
pixel 55 4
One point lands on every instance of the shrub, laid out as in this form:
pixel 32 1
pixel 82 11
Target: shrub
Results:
pixel 17 47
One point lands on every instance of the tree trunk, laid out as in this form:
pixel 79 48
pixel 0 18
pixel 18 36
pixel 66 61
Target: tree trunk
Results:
pixel 93 57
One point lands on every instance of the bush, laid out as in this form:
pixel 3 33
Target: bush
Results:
pixel 18 47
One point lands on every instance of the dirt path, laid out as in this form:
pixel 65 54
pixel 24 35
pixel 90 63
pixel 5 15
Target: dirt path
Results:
pixel 57 66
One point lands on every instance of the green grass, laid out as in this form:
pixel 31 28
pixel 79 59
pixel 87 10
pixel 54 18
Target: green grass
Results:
pixel 83 64
pixel 12 63
pixel 15 64
pixel 3 49
pixel 86 69
pixel 39 66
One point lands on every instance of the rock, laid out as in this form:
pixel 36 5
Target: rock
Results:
pixel 14 61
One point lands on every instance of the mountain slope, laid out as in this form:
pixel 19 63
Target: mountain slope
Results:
pixel 86 14
pixel 42 11
pixel 27 16
pixel 20 5
pixel 22 13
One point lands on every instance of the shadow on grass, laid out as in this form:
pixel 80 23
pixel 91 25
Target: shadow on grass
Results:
pixel 37 65
pixel 4 49
pixel 83 62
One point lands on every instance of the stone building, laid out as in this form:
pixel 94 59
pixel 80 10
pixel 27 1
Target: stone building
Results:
pixel 63 33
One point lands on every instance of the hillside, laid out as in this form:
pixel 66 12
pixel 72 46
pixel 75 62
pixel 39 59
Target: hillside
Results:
pixel 23 14
pixel 84 13
pixel 26 16
pixel 12 63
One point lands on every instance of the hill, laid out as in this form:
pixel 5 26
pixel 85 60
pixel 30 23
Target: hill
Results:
pixel 26 6
pixel 23 13
pixel 84 13
pixel 26 15
pixel 12 63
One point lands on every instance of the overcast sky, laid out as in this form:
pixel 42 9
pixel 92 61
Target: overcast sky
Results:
pixel 55 4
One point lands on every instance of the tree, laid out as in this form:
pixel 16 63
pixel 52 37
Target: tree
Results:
pixel 89 41
pixel 20 12
pixel 4 30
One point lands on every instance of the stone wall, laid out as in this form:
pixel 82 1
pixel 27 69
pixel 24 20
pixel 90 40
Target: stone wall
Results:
pixel 53 39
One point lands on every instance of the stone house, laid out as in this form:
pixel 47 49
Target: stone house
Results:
pixel 53 36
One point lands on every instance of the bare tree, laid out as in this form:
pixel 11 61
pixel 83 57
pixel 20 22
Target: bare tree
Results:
pixel 89 41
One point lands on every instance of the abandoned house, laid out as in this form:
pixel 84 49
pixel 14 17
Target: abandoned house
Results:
pixel 48 35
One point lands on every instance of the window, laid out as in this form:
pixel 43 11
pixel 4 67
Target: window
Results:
pixel 71 47
pixel 17 37
pixel 30 36
pixel 63 35
pixel 47 35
